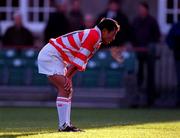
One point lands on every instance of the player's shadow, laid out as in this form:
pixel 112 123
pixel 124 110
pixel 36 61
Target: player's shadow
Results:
pixel 21 135
pixel 12 135
pixel 99 118
pixel 127 117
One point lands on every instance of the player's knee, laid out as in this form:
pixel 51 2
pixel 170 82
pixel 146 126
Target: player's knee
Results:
pixel 63 93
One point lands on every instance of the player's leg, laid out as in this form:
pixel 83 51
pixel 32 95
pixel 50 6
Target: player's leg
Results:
pixel 51 64
pixel 59 81
pixel 63 101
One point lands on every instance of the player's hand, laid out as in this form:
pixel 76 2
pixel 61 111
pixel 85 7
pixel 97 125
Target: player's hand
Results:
pixel 68 85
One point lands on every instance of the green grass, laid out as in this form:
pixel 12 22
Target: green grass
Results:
pixel 97 123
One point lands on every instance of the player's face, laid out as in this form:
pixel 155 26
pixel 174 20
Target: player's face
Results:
pixel 108 37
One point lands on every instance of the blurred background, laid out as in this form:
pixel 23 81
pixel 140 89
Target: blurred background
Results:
pixel 141 68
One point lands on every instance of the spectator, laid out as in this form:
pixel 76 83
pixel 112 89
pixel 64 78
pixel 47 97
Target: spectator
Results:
pixel 89 21
pixel 173 41
pixel 146 35
pixel 17 35
pixel 0 32
pixel 114 11
pixel 0 37
pixel 58 23
pixel 75 16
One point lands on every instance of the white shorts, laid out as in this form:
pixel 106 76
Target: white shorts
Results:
pixel 50 61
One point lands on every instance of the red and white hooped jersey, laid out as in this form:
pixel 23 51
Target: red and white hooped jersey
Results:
pixel 78 47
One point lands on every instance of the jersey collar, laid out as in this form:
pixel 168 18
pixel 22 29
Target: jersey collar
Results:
pixel 99 31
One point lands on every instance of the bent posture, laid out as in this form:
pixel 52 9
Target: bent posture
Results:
pixel 63 56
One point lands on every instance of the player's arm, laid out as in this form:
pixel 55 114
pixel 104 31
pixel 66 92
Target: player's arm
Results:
pixel 86 50
pixel 70 73
pixel 72 69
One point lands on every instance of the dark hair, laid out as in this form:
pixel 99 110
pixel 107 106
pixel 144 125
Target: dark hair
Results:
pixel 109 24
pixel 144 4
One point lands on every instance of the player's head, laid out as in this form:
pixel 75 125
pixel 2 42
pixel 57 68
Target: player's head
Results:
pixel 109 29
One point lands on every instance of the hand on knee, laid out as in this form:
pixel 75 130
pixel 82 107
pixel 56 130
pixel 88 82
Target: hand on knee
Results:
pixel 68 84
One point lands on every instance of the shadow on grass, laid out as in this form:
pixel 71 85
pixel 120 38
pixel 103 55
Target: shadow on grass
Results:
pixel 33 121
pixel 23 134
pixel 14 135
pixel 100 118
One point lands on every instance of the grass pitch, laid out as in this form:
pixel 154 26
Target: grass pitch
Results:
pixel 97 123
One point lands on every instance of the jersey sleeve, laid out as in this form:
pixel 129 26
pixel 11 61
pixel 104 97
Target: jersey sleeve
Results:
pixel 89 40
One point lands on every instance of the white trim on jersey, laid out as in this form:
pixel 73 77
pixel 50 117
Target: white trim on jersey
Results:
pixel 66 50
pixel 77 39
pixel 85 51
pixel 79 62
pixel 66 41
pixel 86 33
